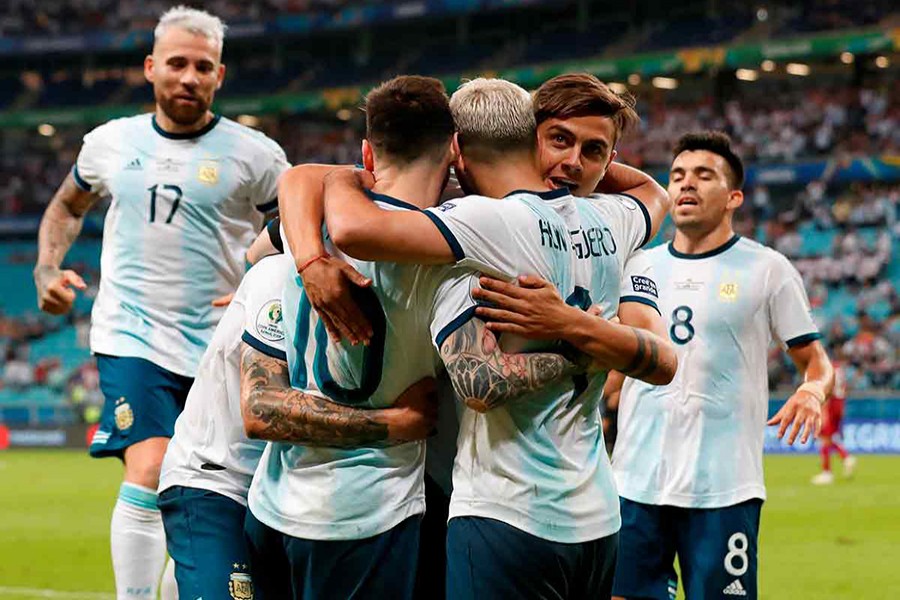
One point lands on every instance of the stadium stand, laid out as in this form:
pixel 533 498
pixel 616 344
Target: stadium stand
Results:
pixel 820 186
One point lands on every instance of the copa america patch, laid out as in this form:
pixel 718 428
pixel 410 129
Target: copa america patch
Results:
pixel 268 321
pixel 645 285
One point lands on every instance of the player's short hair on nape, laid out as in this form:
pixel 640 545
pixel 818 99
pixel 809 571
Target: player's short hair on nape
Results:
pixel 583 95
pixel 196 21
pixel 408 118
pixel 716 142
pixel 493 117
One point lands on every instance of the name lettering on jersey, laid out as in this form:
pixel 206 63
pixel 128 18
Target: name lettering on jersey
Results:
pixel 269 321
pixel 728 292
pixel 208 172
pixel 552 237
pixel 689 285
pixel 594 241
pixel 644 285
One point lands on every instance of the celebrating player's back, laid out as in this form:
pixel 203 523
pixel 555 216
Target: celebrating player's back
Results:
pixel 188 189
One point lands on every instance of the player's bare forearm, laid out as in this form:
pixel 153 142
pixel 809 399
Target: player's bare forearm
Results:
pixel 622 179
pixel 274 411
pixel 485 377
pixel 812 360
pixel 301 206
pixel 612 390
pixel 634 352
pixel 61 224
pixel 364 231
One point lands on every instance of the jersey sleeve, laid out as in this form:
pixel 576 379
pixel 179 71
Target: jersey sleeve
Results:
pixel 263 321
pixel 270 164
pixel 628 218
pixel 453 305
pixel 790 315
pixel 93 160
pixel 474 229
pixel 638 283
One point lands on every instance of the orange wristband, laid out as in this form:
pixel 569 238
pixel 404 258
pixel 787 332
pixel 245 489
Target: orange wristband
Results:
pixel 310 261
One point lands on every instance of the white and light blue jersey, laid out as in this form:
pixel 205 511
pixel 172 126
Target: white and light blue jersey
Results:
pixel 698 442
pixel 537 463
pixel 344 494
pixel 184 209
pixel 210 450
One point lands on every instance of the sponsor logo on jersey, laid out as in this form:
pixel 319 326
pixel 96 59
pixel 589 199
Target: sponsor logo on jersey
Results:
pixel 446 206
pixel 689 285
pixel 134 165
pixel 124 414
pixel 240 586
pixel 728 292
pixel 735 589
pixel 208 172
pixel 268 321
pixel 644 285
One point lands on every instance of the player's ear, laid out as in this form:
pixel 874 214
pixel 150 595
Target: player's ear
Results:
pixel 148 68
pixel 735 199
pixel 458 162
pixel 368 156
pixel 221 76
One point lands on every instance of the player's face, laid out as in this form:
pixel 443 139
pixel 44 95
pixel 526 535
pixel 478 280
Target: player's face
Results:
pixel 185 71
pixel 701 194
pixel 576 152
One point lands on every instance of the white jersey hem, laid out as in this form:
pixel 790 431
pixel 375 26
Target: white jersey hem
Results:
pixel 583 532
pixel 189 479
pixel 147 354
pixel 717 500
pixel 336 531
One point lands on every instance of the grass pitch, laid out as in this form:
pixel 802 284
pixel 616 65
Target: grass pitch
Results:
pixel 835 542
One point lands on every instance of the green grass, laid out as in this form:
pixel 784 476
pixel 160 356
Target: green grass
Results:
pixel 830 542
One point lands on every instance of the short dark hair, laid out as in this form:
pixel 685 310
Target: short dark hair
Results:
pixel 409 117
pixel 583 95
pixel 716 142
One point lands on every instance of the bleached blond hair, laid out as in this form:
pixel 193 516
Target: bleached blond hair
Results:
pixel 493 116
pixel 193 20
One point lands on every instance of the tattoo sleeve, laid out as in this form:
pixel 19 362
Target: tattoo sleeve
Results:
pixel 485 377
pixel 646 359
pixel 274 411
pixel 62 222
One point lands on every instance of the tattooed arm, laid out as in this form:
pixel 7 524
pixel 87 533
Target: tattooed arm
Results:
pixel 274 411
pixel 60 227
pixel 485 377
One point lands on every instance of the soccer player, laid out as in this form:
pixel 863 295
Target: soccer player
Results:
pixel 534 510
pixel 189 190
pixel 210 460
pixel 688 459
pixel 832 417
pixel 342 521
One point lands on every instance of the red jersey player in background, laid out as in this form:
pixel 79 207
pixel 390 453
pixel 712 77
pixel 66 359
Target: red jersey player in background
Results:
pixel 832 416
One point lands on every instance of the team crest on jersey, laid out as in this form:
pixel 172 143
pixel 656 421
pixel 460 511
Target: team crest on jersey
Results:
pixel 268 321
pixel 728 292
pixel 124 414
pixel 240 586
pixel 208 172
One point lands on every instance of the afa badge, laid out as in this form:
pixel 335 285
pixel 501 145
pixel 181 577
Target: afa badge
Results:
pixel 240 586
pixel 124 415
pixel 268 321
pixel 208 172
pixel 728 292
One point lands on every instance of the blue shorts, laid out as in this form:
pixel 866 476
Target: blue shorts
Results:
pixel 488 560
pixel 205 538
pixel 142 401
pixel 716 548
pixel 381 566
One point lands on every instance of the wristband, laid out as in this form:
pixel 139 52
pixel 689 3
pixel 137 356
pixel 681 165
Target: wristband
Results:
pixel 310 261
pixel 815 388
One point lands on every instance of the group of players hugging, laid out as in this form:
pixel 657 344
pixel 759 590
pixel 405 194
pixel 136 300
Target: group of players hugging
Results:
pixel 454 320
